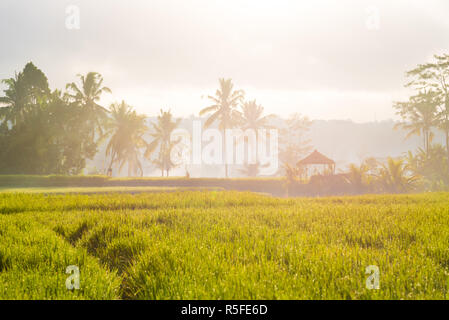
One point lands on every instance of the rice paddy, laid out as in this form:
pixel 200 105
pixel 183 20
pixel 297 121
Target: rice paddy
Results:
pixel 223 245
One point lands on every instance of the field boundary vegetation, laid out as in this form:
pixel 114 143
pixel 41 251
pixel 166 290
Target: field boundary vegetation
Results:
pixel 274 186
pixel 290 186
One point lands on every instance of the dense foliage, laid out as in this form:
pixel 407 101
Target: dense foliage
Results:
pixel 42 132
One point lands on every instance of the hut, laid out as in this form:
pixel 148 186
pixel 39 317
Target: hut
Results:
pixel 317 164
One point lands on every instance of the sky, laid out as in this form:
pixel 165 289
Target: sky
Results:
pixel 333 59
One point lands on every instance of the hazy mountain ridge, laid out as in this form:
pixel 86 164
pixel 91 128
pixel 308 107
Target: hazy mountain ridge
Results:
pixel 344 141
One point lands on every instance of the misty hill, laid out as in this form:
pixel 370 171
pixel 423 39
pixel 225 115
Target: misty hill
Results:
pixel 347 141
pixel 342 140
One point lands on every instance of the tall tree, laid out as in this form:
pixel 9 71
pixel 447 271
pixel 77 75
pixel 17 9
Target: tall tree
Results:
pixel 294 144
pixel 14 101
pixel 67 118
pixel 419 116
pixel 35 81
pixel 87 95
pixel 126 129
pixel 31 146
pixel 162 131
pixel 252 117
pixel 42 132
pixel 22 93
pixel 43 142
pixel 223 110
pixel 434 76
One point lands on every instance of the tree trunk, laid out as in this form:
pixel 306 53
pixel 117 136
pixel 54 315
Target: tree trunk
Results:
pixel 425 141
pixel 447 147
pixel 224 153
pixel 130 169
pixel 112 161
pixel 446 127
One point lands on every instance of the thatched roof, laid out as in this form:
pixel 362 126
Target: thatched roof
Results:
pixel 316 158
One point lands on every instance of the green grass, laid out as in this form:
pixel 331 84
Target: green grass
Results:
pixel 22 183
pixel 223 245
pixel 92 190
pixel 19 181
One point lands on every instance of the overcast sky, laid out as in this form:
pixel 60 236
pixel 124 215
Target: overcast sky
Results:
pixel 325 59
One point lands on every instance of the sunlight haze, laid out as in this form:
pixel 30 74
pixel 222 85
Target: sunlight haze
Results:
pixel 326 59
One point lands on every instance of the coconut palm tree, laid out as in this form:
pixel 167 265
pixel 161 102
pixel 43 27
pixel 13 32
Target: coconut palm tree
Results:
pixel 161 134
pixel 393 177
pixel 412 162
pixel 434 75
pixel 251 117
pixel 430 165
pixel 420 116
pixel 223 109
pixel 126 129
pixel 14 101
pixel 164 161
pixel 358 177
pixel 88 95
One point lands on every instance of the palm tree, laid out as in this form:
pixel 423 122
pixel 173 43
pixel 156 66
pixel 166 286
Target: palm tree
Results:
pixel 434 75
pixel 14 101
pixel 251 117
pixel 393 177
pixel 420 115
pixel 412 162
pixel 223 106
pixel 431 165
pixel 358 177
pixel 163 129
pixel 443 119
pixel 164 161
pixel 88 95
pixel 126 128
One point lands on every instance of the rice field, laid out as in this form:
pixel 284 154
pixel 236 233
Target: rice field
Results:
pixel 223 245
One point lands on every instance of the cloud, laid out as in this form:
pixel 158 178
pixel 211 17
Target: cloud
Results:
pixel 275 46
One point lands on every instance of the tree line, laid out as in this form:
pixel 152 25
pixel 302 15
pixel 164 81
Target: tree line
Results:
pixel 56 132
pixel 425 112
